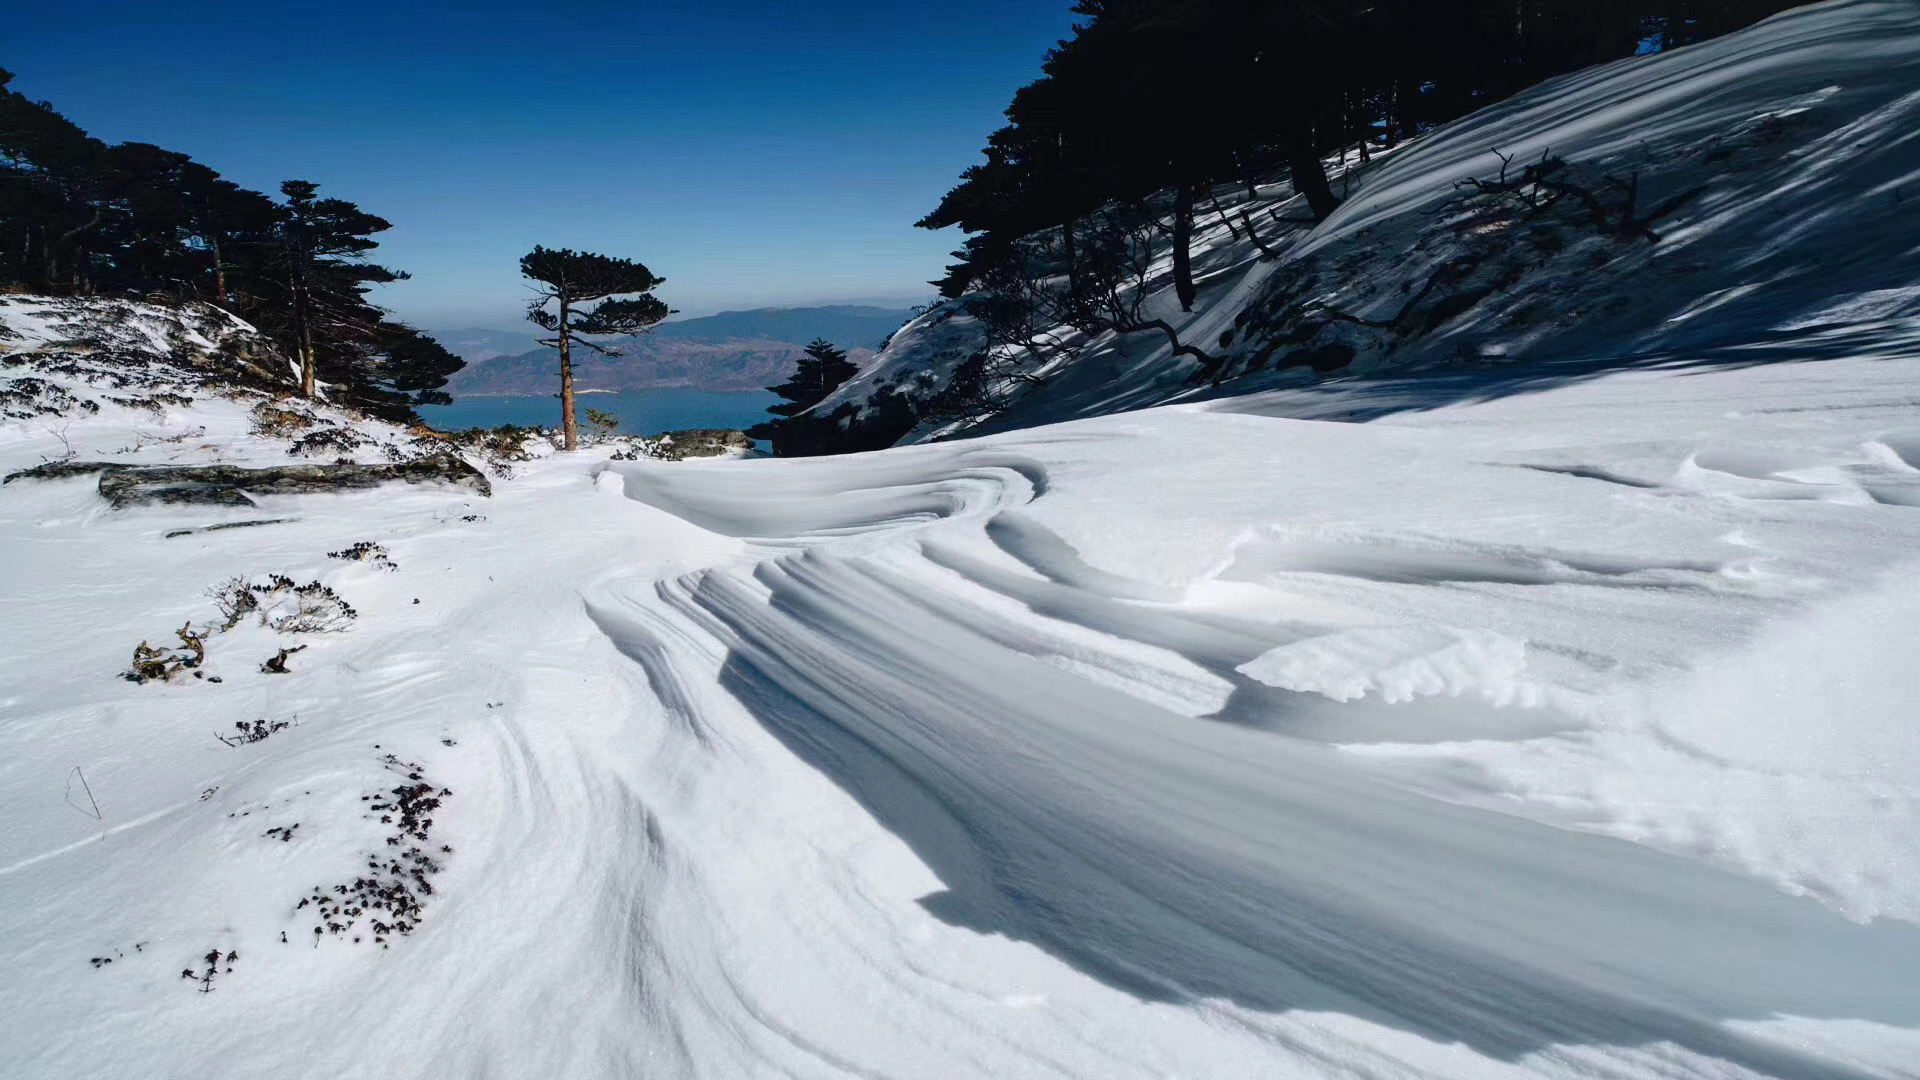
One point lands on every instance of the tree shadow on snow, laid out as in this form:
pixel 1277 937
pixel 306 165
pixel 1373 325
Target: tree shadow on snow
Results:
pixel 1360 399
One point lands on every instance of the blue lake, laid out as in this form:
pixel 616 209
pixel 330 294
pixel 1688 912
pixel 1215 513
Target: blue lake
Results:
pixel 641 412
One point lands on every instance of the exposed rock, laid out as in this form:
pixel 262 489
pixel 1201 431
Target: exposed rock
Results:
pixel 226 525
pixel 125 485
pixel 59 470
pixel 24 399
pixel 704 442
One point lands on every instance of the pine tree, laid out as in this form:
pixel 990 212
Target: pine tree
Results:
pixel 817 374
pixel 323 256
pixel 314 298
pixel 1175 96
pixel 54 181
pixel 79 217
pixel 234 226
pixel 624 289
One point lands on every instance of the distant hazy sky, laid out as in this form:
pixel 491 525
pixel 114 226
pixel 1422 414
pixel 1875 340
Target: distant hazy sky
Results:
pixel 753 153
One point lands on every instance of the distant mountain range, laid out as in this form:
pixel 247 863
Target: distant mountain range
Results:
pixel 733 350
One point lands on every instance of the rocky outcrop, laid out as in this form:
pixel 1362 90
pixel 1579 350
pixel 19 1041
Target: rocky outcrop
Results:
pixel 135 348
pixel 124 485
pixel 703 442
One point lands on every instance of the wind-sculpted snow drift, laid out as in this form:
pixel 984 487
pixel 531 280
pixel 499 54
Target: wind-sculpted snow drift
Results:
pixel 1184 857
pixel 1547 721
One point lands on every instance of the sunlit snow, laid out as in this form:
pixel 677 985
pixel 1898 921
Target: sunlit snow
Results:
pixel 1554 722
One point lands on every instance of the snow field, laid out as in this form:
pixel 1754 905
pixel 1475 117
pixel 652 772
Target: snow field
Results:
pixel 1557 734
pixel 1542 721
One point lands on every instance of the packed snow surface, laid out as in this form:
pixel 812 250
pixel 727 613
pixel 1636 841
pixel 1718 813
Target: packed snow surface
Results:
pixel 1564 732
pixel 1543 720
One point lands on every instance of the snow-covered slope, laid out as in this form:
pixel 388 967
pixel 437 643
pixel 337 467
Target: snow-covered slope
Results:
pixel 1779 169
pixel 161 385
pixel 1561 734
pixel 1548 720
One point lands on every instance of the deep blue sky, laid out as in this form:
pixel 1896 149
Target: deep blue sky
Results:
pixel 755 154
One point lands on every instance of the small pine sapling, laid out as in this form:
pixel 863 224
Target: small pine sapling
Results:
pixel 215 964
pixel 604 423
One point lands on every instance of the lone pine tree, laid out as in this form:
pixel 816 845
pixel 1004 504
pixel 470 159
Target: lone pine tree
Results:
pixel 626 305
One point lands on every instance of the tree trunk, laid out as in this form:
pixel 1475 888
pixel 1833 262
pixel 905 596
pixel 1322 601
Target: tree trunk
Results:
pixel 1182 239
pixel 1348 122
pixel 1405 94
pixel 1265 251
pixel 567 423
pixel 1362 122
pixel 77 254
pixel 303 336
pixel 298 287
pixel 1067 249
pixel 1218 209
pixel 219 270
pixel 1310 176
pixel 306 357
pixel 1210 364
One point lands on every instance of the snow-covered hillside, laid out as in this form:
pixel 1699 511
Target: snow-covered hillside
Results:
pixel 1559 734
pixel 1535 720
pixel 1771 177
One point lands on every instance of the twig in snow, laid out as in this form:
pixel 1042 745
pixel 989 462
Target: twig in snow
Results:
pixel 98 816
pixel 67 452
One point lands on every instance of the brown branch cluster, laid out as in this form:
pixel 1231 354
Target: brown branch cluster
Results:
pixel 1613 209
pixel 162 664
pixel 1041 295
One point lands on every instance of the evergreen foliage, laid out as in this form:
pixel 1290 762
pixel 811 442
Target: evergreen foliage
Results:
pixel 81 218
pixel 850 428
pixel 818 374
pixel 568 279
pixel 1180 95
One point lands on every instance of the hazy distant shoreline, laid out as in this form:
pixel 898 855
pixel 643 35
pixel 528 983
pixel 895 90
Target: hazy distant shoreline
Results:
pixel 615 390
pixel 734 352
